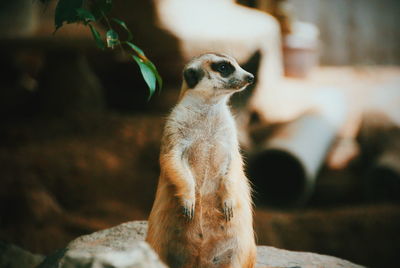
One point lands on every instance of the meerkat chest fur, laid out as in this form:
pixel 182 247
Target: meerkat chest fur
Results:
pixel 207 133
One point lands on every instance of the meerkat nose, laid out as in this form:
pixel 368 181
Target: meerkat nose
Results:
pixel 250 78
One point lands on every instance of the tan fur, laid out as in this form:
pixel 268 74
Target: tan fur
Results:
pixel 202 168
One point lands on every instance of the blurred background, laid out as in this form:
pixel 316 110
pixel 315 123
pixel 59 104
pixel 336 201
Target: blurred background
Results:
pixel 320 129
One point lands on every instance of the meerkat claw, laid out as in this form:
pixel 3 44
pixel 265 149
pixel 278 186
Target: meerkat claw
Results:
pixel 228 211
pixel 188 212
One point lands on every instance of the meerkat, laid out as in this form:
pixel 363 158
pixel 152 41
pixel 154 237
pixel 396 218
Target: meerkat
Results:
pixel 202 213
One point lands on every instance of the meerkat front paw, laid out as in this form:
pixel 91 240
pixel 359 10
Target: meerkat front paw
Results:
pixel 227 207
pixel 188 209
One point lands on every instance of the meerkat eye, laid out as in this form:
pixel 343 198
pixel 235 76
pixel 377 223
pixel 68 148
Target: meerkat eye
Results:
pixel 224 68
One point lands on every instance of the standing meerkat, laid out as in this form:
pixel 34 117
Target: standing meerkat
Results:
pixel 202 213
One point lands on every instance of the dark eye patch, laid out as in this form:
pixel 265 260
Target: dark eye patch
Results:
pixel 225 68
pixel 193 76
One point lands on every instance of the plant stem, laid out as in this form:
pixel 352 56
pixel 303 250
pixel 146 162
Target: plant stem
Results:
pixel 107 21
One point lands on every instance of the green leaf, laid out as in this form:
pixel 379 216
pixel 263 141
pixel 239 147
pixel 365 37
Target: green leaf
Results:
pixel 66 11
pixel 146 61
pixel 97 37
pixel 158 76
pixel 123 25
pixel 85 15
pixel 112 38
pixel 148 74
pixel 136 49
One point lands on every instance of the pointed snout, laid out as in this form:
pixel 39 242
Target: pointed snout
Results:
pixel 249 78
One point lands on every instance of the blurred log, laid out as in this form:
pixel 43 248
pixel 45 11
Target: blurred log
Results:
pixel 383 178
pixel 380 142
pixel 380 145
pixel 285 167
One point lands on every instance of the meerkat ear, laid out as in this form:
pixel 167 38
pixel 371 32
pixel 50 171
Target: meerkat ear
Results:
pixel 193 76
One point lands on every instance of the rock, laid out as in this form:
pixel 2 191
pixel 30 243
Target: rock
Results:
pixel 12 256
pixel 280 258
pixel 136 255
pixel 123 246
pixel 118 237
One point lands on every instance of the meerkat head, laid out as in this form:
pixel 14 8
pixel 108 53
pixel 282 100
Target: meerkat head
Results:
pixel 215 75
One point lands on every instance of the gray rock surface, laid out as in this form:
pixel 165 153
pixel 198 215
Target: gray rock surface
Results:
pixel 274 257
pixel 12 256
pixel 123 247
pixel 135 255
